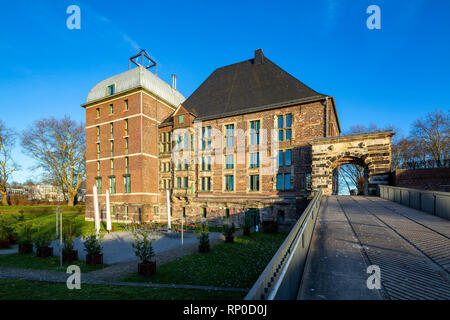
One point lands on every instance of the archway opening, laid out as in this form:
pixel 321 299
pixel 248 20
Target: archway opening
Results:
pixel 350 177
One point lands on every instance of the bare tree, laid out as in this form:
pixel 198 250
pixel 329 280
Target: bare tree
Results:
pixel 59 146
pixel 432 132
pixel 7 164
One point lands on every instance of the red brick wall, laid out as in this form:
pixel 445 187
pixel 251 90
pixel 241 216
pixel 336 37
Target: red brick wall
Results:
pixel 425 179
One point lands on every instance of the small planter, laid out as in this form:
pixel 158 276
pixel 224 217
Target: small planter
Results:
pixel 4 244
pixel 147 269
pixel 229 239
pixel 25 248
pixel 203 248
pixel 44 252
pixel 70 256
pixel 94 259
pixel 247 232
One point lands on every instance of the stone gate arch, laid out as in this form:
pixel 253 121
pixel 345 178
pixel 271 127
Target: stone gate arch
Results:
pixel 371 150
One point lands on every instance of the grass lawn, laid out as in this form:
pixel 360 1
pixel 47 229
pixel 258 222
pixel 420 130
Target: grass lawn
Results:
pixel 236 265
pixel 33 290
pixel 46 215
pixel 30 261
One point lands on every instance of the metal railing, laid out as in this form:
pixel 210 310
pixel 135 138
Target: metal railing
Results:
pixel 433 202
pixel 281 278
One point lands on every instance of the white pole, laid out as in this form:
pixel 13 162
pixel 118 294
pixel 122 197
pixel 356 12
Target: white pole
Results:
pixel 60 237
pixel 56 214
pixel 108 212
pixel 168 211
pixel 96 213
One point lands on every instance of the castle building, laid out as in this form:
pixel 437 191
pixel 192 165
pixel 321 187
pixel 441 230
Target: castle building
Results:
pixel 237 146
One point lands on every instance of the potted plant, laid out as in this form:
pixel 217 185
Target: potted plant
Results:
pixel 246 226
pixel 202 233
pixel 228 232
pixel 93 248
pixel 144 251
pixel 6 233
pixel 70 232
pixel 26 239
pixel 42 241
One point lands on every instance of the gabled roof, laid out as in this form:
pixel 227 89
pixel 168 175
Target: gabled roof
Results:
pixel 248 86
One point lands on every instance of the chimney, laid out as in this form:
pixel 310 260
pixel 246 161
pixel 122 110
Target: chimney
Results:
pixel 174 81
pixel 259 57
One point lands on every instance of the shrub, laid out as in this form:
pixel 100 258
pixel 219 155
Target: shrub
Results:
pixel 228 229
pixel 6 228
pixel 202 233
pixel 269 226
pixel 92 245
pixel 71 230
pixel 42 239
pixel 143 248
pixel 26 234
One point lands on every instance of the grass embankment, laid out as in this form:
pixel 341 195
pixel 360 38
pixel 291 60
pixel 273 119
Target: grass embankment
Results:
pixel 30 261
pixel 33 290
pixel 235 265
pixel 45 216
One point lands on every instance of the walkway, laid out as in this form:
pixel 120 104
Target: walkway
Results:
pixel 411 248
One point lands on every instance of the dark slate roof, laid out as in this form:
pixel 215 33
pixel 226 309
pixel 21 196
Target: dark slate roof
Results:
pixel 248 86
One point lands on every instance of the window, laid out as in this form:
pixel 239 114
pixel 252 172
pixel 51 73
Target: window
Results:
pixel 98 183
pixel 126 127
pixel 111 89
pixel 127 169
pixel 184 212
pixel 227 213
pixel 98 133
pixel 155 210
pixel 127 184
pixel 112 210
pixel 229 135
pixel 285 158
pixel 126 145
pixel 229 183
pixel 178 182
pixel 111 130
pixel 204 213
pixel 186 138
pixel 98 150
pixel 181 119
pixel 111 143
pixel 308 181
pixel 254 160
pixel 283 181
pixel 126 212
pixel 126 105
pixel 165 142
pixel 254 183
pixel 205 184
pixel 185 182
pixel 98 112
pixel 284 125
pixel 98 168
pixel 112 185
pixel 112 166
pixel 206 138
pixel 186 164
pixel 206 163
pixel 254 132
pixel 229 161
pixel 111 108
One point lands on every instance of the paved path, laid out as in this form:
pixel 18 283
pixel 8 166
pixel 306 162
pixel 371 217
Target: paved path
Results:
pixel 411 248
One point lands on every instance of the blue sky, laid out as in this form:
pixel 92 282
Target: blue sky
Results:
pixel 388 76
